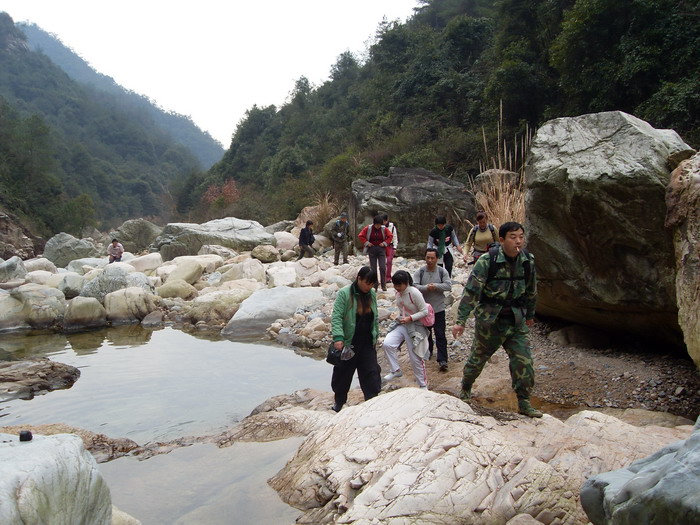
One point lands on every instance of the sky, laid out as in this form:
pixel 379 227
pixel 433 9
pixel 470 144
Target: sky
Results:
pixel 211 59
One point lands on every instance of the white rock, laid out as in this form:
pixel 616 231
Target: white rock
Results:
pixel 209 262
pixel 423 457
pixel 266 306
pixel 51 479
pixel 146 263
pixel 130 305
pixel 282 276
pixel 286 241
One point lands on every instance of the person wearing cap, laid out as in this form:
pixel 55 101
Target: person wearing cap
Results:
pixel 115 250
pixel 341 231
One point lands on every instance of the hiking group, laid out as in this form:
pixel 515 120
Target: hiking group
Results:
pixel 501 291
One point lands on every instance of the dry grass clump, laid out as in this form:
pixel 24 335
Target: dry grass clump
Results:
pixel 325 208
pixel 501 195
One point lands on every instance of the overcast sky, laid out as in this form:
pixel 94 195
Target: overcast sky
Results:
pixel 211 59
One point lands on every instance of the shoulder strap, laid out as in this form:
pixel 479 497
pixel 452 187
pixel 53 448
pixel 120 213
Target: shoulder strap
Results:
pixel 420 276
pixel 493 266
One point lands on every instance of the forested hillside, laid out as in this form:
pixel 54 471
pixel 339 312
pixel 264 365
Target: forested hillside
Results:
pixel 179 127
pixel 436 92
pixel 70 156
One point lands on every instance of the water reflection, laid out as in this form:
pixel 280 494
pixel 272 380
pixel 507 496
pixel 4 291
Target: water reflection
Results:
pixel 157 385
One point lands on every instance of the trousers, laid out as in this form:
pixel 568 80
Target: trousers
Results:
pixel 377 255
pixel 368 372
pixel 488 337
pixel 440 338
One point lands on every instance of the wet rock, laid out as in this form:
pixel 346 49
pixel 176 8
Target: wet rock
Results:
pixel 27 378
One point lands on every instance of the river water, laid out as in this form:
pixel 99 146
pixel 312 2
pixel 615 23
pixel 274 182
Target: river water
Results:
pixel 160 385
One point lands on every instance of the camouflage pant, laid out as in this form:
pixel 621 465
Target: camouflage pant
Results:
pixel 340 247
pixel 488 337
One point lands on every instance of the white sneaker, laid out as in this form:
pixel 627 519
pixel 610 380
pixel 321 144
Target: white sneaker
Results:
pixel 393 375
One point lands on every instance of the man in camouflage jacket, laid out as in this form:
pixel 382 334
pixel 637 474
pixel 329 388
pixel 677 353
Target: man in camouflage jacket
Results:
pixel 504 308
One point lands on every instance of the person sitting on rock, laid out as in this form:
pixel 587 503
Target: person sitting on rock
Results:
pixel 355 325
pixel 481 236
pixel 306 239
pixel 115 250
pixel 503 299
pixel 412 308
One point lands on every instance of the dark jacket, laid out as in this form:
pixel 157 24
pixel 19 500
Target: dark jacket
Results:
pixel 306 237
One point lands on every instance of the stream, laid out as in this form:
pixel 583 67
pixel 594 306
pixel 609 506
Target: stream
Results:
pixel 160 385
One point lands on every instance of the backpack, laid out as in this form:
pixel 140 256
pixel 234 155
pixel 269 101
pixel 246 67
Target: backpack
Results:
pixel 428 320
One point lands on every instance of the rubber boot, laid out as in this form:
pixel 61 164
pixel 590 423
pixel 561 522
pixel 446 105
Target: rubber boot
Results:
pixel 526 409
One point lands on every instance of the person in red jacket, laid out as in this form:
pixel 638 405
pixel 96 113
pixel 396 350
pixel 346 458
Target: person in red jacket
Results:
pixel 375 239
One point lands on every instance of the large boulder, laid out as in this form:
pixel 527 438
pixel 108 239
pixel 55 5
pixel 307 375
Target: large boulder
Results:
pixel 13 269
pixel 661 489
pixel 51 479
pixel 86 264
pixel 187 270
pixel 415 456
pixel 63 248
pixel 84 313
pixel 146 263
pixel 286 241
pixel 265 253
pixel 595 210
pixel 115 276
pixel 136 235
pixel 187 239
pixel 130 305
pixel 70 283
pixel 177 288
pixel 267 305
pixel 248 269
pixel 13 315
pixel 40 263
pixel 412 198
pixel 683 202
pixel 41 306
pixel 217 307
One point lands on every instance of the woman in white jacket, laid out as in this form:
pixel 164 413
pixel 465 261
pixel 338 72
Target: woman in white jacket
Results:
pixel 412 308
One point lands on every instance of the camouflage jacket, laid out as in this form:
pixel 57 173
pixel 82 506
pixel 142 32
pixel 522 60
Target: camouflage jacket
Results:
pixel 488 299
pixel 340 230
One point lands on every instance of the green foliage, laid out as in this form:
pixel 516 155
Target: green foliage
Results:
pixel 72 156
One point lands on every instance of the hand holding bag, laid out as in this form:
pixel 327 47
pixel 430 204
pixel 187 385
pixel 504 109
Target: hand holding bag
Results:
pixel 333 356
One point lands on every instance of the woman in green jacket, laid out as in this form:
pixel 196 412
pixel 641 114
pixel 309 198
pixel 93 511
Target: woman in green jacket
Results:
pixel 355 324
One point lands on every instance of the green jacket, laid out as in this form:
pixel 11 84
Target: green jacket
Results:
pixel 486 299
pixel 344 312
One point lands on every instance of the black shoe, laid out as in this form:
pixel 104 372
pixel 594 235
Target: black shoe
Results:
pixel 383 288
pixel 443 366
pixel 336 407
